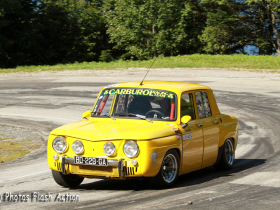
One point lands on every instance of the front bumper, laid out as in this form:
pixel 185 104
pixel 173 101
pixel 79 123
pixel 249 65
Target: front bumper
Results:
pixel 113 163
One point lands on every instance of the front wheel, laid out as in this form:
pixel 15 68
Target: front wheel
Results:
pixel 69 180
pixel 227 156
pixel 169 170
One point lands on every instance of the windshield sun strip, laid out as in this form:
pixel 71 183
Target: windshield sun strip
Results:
pixel 113 107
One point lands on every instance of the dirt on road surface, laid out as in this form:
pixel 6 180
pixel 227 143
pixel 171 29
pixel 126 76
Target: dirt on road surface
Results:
pixel 43 101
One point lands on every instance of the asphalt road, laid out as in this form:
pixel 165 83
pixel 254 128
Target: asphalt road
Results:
pixel 44 101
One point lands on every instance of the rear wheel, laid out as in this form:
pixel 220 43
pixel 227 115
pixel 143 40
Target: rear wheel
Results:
pixel 69 180
pixel 169 170
pixel 227 156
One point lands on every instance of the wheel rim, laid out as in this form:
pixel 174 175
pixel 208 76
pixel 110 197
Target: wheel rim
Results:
pixel 169 168
pixel 229 151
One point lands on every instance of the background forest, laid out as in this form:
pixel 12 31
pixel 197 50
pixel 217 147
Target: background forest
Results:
pixel 48 32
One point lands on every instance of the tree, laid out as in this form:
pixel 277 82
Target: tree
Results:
pixel 232 25
pixel 147 28
pixel 227 29
pixel 269 20
pixel 77 28
pixel 15 31
pixel 47 32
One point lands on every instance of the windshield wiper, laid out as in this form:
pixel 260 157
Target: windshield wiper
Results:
pixel 137 115
pixel 106 114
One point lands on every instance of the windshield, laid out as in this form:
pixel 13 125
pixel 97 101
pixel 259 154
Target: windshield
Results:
pixel 142 103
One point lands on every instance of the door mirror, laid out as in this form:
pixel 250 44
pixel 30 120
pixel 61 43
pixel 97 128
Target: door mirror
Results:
pixel 184 120
pixel 86 114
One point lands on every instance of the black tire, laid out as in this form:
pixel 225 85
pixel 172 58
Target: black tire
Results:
pixel 227 155
pixel 70 180
pixel 167 177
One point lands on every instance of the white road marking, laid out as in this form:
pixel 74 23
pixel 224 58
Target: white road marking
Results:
pixel 260 131
pixel 62 115
pixel 268 179
pixel 243 149
pixel 78 88
pixel 29 175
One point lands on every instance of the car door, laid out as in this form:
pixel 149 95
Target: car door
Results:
pixel 192 136
pixel 210 128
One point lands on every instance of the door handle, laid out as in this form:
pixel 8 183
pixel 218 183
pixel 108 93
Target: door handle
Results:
pixel 216 122
pixel 199 125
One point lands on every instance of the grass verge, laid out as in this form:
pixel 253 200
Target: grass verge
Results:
pixel 11 149
pixel 253 63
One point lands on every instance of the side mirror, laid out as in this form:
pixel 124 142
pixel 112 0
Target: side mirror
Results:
pixel 185 119
pixel 86 114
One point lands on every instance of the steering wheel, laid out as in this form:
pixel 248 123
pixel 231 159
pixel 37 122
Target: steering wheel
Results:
pixel 155 111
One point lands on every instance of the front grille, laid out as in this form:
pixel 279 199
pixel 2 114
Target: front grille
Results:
pixel 59 167
pixel 128 171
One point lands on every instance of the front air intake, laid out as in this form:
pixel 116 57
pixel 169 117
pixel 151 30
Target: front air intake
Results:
pixel 128 171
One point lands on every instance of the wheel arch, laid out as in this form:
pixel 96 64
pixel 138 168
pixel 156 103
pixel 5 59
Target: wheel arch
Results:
pixel 153 152
pixel 233 138
pixel 229 129
pixel 177 150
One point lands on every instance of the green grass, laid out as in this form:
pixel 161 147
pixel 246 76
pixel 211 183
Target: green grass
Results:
pixel 10 150
pixel 233 62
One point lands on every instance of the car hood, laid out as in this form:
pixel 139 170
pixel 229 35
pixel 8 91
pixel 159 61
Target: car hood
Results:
pixel 131 129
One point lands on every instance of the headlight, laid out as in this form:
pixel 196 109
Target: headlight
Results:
pixel 78 147
pixel 109 148
pixel 59 144
pixel 130 149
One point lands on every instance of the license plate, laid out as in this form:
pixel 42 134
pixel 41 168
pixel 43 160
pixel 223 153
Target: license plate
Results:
pixel 90 161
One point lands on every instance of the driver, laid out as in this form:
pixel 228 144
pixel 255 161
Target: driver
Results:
pixel 165 106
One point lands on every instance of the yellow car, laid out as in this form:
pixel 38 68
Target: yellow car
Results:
pixel 157 129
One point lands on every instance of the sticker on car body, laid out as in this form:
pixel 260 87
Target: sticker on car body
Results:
pixel 187 136
pixel 140 92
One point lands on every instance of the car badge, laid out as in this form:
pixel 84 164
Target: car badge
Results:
pixel 154 157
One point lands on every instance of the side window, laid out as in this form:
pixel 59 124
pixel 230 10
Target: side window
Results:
pixel 187 107
pixel 202 104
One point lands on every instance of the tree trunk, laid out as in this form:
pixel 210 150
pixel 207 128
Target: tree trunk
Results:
pixel 154 32
pixel 272 22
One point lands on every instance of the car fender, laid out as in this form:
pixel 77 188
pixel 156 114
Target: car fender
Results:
pixel 153 151
pixel 229 128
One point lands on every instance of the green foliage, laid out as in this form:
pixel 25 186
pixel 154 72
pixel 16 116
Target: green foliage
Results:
pixel 268 18
pixel 47 32
pixel 225 33
pixel 106 56
pixel 147 28
pixel 50 32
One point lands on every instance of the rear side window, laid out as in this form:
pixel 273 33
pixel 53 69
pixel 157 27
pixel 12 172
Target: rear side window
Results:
pixel 202 104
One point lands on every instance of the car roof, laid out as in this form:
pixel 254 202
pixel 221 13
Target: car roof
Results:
pixel 164 85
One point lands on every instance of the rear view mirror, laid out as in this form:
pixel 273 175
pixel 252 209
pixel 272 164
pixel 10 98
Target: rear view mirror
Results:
pixel 86 114
pixel 184 120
